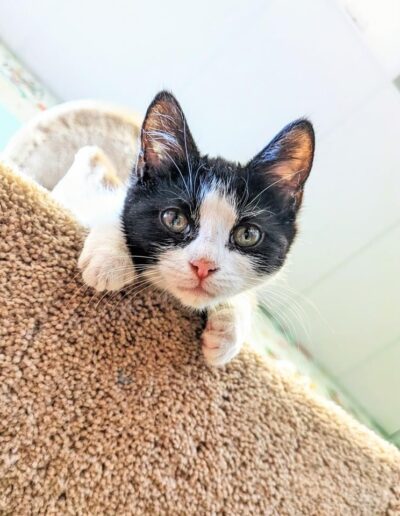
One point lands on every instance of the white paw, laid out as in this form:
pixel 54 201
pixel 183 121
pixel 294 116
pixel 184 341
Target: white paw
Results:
pixel 221 338
pixel 105 261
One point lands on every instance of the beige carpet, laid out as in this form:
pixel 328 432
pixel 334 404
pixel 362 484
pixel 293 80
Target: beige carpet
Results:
pixel 107 408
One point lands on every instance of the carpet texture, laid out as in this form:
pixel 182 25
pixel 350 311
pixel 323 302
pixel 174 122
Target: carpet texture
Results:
pixel 106 406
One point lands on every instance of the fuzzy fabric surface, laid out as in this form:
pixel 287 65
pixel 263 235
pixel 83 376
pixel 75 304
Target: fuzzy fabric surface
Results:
pixel 45 147
pixel 106 405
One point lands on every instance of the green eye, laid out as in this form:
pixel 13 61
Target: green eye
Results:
pixel 246 235
pixel 175 220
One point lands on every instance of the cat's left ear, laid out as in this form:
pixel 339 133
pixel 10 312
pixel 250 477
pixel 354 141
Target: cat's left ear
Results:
pixel 165 138
pixel 286 161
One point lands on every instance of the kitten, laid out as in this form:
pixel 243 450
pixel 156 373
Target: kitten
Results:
pixel 206 230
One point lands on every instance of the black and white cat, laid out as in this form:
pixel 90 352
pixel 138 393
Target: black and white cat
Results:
pixel 206 230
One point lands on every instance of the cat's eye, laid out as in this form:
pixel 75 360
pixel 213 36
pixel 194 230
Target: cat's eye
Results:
pixel 246 235
pixel 175 220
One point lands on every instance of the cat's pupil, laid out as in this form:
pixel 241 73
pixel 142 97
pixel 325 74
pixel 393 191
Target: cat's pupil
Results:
pixel 177 221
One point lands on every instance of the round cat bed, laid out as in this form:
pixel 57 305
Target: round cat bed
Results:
pixel 44 148
pixel 107 406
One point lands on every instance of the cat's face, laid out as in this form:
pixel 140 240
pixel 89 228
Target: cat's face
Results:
pixel 207 229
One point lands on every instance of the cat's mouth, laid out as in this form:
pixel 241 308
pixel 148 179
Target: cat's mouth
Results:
pixel 198 290
pixel 196 297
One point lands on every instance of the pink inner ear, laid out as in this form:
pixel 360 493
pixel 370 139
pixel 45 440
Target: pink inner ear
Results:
pixel 293 171
pixel 166 139
pixel 162 132
pixel 289 175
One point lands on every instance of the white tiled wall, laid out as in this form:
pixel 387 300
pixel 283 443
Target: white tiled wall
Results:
pixel 358 306
pixel 375 383
pixel 242 70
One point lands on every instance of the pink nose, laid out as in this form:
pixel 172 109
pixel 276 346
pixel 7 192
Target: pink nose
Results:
pixel 203 268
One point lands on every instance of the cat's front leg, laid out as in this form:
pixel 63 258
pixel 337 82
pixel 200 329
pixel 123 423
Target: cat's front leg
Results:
pixel 105 261
pixel 227 327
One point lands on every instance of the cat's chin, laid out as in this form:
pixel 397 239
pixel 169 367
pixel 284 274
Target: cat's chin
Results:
pixel 195 298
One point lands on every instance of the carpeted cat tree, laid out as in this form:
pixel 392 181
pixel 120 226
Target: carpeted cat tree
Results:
pixel 106 405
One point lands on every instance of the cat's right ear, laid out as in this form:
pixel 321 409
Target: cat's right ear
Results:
pixel 166 140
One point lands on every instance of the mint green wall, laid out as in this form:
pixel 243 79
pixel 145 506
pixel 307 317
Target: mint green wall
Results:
pixel 8 125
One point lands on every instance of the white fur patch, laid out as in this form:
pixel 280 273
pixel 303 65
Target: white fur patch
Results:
pixel 217 218
pixel 91 189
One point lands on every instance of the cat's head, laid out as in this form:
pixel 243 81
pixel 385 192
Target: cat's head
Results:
pixel 205 229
